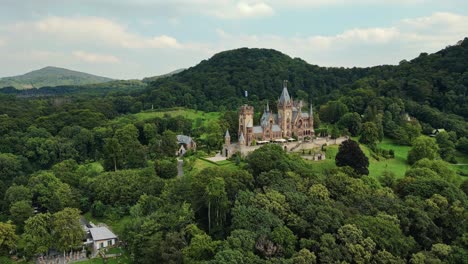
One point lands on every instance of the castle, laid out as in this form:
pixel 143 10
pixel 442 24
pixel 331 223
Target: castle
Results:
pixel 289 122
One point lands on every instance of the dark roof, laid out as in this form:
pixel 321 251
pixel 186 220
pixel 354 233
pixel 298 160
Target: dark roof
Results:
pixel 183 139
pixel 284 98
pixel 257 130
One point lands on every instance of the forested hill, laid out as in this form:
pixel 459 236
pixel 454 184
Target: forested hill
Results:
pixel 222 79
pixel 51 76
pixel 432 87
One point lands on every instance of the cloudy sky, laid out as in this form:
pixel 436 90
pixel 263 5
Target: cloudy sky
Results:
pixel 127 39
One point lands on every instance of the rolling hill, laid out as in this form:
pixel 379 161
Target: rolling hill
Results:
pixel 51 76
pixel 433 86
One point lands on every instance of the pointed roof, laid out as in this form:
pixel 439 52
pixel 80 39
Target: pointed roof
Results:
pixel 227 134
pixel 284 98
pixel 241 137
pixel 267 107
pixel 311 111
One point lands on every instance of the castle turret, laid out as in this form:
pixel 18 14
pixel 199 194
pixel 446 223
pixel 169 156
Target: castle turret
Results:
pixel 285 105
pixel 246 113
pixel 241 139
pixel 227 138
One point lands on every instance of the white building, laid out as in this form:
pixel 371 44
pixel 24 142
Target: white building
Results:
pixel 102 237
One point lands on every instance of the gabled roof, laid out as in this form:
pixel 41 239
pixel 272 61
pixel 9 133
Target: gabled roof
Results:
pixel 101 233
pixel 257 130
pixel 183 139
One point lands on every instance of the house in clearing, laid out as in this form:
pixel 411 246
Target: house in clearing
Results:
pixel 185 143
pixel 102 237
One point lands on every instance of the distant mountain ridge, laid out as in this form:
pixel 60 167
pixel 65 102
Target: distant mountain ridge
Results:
pixel 51 76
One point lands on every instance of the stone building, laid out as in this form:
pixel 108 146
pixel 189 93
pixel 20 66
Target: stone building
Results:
pixel 288 122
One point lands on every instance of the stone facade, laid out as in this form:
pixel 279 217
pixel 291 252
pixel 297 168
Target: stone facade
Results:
pixel 288 122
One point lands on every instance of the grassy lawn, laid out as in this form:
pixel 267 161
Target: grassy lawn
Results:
pixel 173 112
pixel 184 112
pixel 461 159
pixel 201 164
pixel 329 162
pixel 397 165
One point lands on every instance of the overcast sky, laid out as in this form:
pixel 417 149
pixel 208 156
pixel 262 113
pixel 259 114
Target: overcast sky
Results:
pixel 127 39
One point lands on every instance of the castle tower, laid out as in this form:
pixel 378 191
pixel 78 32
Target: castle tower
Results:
pixel 311 118
pixel 227 138
pixel 285 105
pixel 241 139
pixel 246 113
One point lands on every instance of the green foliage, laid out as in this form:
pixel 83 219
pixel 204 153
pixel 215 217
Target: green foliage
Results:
pixel 267 158
pixel 352 122
pixel 272 208
pixel 332 111
pixel 8 238
pixel 369 134
pixel 67 232
pixel 166 168
pixel 423 147
pixel 350 154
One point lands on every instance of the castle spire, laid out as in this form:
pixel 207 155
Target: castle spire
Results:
pixel 285 98
pixel 267 108
pixel 311 111
pixel 227 134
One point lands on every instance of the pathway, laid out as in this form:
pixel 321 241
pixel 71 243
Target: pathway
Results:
pixel 180 167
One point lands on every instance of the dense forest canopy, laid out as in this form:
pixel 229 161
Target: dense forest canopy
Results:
pixel 102 151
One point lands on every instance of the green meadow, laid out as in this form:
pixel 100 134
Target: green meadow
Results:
pixel 184 112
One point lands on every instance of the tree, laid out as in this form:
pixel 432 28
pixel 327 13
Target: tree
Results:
pixel 10 167
pixel 66 229
pixel 49 192
pixel 462 145
pixel 167 145
pixel 20 212
pixel 133 154
pixel 332 111
pixel 201 246
pixel 8 238
pixel 267 158
pixel 369 134
pixel 351 121
pixel 446 147
pixel 350 154
pixel 166 168
pixel 17 193
pixel 37 237
pixel 423 147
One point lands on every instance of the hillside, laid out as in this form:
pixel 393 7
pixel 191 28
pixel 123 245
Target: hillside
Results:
pixel 222 79
pixel 433 86
pixel 51 76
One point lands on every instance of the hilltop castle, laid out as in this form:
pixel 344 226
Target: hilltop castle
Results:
pixel 289 122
